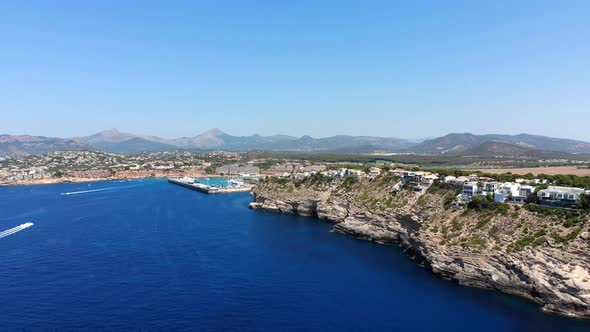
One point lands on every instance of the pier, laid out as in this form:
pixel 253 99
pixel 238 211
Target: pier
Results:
pixel 207 189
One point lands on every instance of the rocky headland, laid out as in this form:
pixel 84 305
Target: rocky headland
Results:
pixel 535 254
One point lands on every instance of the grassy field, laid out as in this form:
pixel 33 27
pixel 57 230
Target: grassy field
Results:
pixel 541 170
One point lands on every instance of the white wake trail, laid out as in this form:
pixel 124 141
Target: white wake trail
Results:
pixel 88 191
pixel 15 229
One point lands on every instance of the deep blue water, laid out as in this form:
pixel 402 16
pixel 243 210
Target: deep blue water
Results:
pixel 152 255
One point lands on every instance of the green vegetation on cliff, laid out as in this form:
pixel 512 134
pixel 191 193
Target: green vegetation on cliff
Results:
pixel 480 226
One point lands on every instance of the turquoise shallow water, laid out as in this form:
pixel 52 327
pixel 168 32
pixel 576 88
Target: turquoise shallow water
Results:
pixel 151 255
pixel 218 182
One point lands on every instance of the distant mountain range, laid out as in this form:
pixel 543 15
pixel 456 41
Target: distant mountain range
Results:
pixel 491 149
pixel 115 141
pixel 25 144
pixel 112 140
pixel 458 143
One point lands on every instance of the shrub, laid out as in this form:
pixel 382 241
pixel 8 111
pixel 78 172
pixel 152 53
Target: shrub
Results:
pixel 584 202
pixel 570 222
pixel 348 183
pixel 567 238
pixel 523 242
pixel 478 203
pixel 482 223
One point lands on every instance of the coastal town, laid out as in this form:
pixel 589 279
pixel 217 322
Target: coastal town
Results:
pixel 540 191
pixel 75 166
pixel 295 166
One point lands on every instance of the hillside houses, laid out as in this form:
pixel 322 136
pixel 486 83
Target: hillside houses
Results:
pixel 298 167
pixel 507 192
pixel 419 179
pixel 238 169
pixel 287 167
pixel 398 172
pixel 512 192
pixel 428 179
pixel 458 181
pixel 517 192
pixel 374 171
pixel 470 189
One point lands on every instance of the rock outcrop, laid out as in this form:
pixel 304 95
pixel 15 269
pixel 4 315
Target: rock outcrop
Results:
pixel 556 277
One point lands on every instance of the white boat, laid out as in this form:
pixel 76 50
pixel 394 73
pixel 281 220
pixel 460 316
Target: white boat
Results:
pixel 187 179
pixel 236 183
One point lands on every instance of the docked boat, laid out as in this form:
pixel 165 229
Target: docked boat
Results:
pixel 236 183
pixel 186 179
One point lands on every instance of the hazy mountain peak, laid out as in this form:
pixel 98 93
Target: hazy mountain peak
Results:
pixel 111 135
pixel 213 132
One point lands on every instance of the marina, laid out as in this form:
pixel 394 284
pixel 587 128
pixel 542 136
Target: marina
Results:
pixel 221 186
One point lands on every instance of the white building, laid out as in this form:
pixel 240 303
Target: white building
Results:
pixel 355 173
pixel 374 171
pixel 526 190
pixel 342 172
pixel 427 180
pixel 559 196
pixel 449 179
pixel 505 191
pixel 470 189
pixel 538 181
pixel 523 194
pixel 398 172
pixel 458 181
pixel 490 187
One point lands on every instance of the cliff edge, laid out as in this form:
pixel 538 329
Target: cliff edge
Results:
pixel 533 254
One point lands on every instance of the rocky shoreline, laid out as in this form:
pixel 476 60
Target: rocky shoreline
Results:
pixel 557 279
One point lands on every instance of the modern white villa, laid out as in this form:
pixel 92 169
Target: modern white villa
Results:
pixel 559 196
pixel 470 189
pixel 525 191
pixel 428 179
pixel 506 190
pixel 342 172
pixel 461 180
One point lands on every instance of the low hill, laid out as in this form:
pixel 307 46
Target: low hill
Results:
pixel 134 145
pixel 19 145
pixel 501 149
pixel 461 142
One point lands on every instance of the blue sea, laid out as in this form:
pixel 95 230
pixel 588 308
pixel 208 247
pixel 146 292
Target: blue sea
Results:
pixel 149 255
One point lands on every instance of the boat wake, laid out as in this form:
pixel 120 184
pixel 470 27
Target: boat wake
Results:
pixel 87 191
pixel 15 229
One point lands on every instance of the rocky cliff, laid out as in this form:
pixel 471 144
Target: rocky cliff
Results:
pixel 541 257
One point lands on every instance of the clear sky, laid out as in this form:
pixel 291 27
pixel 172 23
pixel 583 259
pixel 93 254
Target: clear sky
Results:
pixel 317 67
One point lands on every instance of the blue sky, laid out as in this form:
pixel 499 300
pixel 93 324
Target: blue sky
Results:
pixel 386 68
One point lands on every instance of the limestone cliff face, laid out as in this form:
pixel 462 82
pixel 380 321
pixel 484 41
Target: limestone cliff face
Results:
pixel 556 275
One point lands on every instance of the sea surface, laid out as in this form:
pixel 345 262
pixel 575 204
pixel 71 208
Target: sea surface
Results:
pixel 148 255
